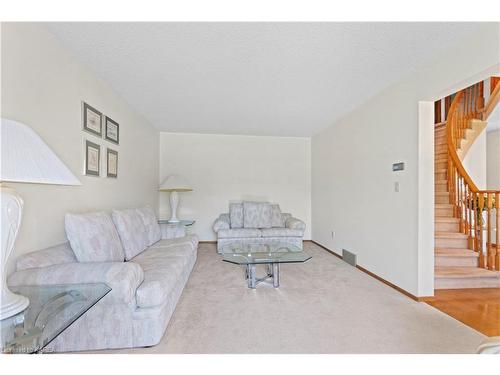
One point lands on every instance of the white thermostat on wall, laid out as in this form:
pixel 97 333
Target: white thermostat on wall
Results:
pixel 398 167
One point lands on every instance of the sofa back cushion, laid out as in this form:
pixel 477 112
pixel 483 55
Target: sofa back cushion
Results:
pixel 236 215
pixel 93 237
pixel 276 218
pixel 132 231
pixel 151 223
pixel 257 215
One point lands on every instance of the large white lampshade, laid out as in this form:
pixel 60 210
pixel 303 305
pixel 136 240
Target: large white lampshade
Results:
pixel 173 184
pixel 24 158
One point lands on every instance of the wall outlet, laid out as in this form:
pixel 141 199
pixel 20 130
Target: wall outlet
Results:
pixel 396 187
pixel 332 233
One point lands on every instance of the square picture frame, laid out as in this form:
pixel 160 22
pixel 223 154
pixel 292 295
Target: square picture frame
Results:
pixel 111 163
pixel 111 130
pixel 92 159
pixel 92 120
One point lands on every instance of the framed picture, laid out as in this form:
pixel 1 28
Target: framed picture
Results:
pixel 112 131
pixel 112 163
pixel 92 120
pixel 92 158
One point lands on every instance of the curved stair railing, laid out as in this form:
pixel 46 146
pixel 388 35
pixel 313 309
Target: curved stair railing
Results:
pixel 478 210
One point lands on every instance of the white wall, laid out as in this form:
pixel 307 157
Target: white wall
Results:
pixel 475 161
pixel 425 232
pixel 222 168
pixel 43 86
pixel 352 181
pixel 493 159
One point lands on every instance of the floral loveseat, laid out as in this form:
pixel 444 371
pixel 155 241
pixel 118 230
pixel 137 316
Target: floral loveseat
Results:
pixel 257 222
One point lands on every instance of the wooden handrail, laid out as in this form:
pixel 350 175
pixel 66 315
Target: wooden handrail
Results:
pixel 452 151
pixel 478 210
pixel 492 102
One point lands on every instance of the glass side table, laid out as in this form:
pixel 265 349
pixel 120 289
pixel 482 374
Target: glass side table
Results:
pixel 52 309
pixel 176 229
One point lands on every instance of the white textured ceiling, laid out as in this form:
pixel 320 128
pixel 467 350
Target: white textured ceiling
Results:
pixel 286 79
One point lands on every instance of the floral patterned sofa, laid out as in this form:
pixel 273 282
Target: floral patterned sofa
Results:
pixel 257 222
pixel 125 250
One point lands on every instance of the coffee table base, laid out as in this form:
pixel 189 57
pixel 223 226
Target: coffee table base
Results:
pixel 273 272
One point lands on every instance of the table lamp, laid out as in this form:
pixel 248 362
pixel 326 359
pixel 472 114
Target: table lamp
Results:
pixel 25 158
pixel 173 184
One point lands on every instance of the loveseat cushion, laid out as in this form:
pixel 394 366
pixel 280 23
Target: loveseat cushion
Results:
pixel 239 233
pixel 93 237
pixel 163 264
pixel 132 231
pixel 257 215
pixel 282 232
pixel 236 215
pixel 151 223
pixel 222 222
pixel 276 218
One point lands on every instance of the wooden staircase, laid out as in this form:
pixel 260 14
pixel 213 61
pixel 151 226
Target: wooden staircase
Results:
pixel 461 258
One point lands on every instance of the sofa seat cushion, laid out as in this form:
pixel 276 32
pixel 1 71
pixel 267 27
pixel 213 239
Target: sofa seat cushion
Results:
pixel 132 231
pixel 282 232
pixel 151 224
pixel 239 233
pixel 257 215
pixel 191 240
pixel 162 266
pixel 93 237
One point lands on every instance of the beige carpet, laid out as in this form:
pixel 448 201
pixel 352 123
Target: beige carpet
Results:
pixel 322 306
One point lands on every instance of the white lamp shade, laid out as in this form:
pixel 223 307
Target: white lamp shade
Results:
pixel 175 183
pixel 26 157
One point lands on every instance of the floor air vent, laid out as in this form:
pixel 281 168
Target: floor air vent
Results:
pixel 349 257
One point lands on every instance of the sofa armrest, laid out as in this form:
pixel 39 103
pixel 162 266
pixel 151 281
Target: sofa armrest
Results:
pixel 294 223
pixel 222 222
pixel 122 277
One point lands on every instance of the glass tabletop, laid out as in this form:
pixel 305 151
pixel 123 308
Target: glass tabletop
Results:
pixel 52 309
pixel 181 222
pixel 276 252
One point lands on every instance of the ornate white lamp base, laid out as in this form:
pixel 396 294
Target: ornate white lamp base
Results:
pixel 12 209
pixel 12 304
pixel 174 202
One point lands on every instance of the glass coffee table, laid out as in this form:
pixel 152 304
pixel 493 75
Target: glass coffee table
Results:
pixel 270 254
pixel 52 309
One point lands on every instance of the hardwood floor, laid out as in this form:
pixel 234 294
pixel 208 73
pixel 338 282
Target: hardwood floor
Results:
pixel 477 308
